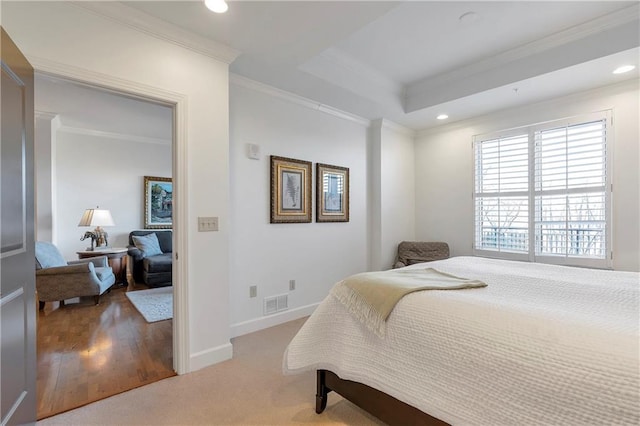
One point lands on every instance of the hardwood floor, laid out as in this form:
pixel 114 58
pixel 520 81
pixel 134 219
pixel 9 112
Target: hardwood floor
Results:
pixel 88 352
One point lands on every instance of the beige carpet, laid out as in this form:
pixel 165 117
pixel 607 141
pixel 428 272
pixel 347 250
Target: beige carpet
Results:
pixel 247 390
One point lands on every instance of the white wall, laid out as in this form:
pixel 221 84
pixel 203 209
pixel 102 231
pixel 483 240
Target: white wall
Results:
pixel 68 37
pixel 268 255
pixel 380 158
pixel 444 168
pixel 392 186
pixel 45 133
pixel 397 185
pixel 97 171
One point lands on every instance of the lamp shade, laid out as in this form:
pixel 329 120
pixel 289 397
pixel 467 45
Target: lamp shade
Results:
pixel 96 217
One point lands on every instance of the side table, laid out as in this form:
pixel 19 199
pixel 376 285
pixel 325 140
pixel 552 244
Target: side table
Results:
pixel 117 258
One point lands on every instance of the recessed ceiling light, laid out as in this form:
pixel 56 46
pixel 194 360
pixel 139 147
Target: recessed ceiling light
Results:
pixel 442 117
pixel 623 69
pixel 217 6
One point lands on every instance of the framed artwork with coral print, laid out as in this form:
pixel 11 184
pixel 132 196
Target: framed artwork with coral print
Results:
pixel 290 190
pixel 158 202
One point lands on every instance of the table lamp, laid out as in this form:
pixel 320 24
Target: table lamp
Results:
pixel 96 217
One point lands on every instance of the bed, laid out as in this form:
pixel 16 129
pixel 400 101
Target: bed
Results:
pixel 541 344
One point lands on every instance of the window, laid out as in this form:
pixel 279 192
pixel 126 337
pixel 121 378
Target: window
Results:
pixel 541 193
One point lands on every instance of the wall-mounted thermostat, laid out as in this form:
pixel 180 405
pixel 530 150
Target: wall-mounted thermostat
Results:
pixel 253 151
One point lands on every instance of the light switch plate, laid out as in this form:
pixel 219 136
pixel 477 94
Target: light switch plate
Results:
pixel 207 224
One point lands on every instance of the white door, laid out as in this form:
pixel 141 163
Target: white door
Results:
pixel 17 258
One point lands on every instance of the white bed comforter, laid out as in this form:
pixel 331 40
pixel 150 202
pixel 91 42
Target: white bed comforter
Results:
pixel 541 344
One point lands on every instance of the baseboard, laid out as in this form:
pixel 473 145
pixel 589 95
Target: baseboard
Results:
pixel 211 356
pixel 258 324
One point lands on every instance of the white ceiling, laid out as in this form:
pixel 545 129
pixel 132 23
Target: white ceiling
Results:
pixel 410 61
pixel 403 61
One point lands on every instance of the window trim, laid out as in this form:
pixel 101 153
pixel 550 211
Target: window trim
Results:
pixel 604 263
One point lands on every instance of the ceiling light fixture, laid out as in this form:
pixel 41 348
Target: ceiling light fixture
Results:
pixel 217 6
pixel 623 69
pixel 442 117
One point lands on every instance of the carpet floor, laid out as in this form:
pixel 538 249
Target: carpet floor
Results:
pixel 249 389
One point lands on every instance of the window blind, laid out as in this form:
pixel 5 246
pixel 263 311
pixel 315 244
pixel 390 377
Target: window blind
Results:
pixel 542 191
pixel 570 197
pixel 501 202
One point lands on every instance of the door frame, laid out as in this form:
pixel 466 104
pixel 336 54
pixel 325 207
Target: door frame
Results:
pixel 177 101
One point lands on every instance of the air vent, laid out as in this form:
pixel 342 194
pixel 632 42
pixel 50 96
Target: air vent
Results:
pixel 282 302
pixel 276 304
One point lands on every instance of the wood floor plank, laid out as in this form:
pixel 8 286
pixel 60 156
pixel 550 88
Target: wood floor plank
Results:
pixel 88 352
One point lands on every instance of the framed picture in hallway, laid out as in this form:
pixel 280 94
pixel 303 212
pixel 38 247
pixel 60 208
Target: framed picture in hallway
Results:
pixel 158 202
pixel 290 190
pixel 332 193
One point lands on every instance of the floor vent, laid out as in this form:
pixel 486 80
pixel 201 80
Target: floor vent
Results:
pixel 276 304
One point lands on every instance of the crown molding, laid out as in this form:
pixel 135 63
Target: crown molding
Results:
pixel 343 71
pixel 398 128
pixel 615 20
pixel 114 135
pixel 611 89
pixel 338 59
pixel 45 115
pixel 558 39
pixel 162 30
pixel 296 99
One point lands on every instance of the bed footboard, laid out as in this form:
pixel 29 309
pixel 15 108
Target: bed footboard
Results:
pixel 375 402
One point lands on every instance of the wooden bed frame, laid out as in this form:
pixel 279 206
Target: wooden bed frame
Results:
pixel 375 402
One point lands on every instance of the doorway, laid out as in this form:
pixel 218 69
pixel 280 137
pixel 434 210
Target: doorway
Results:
pixel 99 154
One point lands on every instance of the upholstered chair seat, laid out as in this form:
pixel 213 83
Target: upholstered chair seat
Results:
pixel 57 279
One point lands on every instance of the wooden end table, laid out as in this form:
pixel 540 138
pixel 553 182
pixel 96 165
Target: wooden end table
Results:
pixel 117 258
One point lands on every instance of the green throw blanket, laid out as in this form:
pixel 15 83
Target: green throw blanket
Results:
pixel 371 296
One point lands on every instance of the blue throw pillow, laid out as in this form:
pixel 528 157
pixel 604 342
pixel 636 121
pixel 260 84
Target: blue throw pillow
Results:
pixel 147 244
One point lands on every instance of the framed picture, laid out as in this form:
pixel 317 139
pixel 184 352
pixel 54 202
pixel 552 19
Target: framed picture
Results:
pixel 158 202
pixel 332 193
pixel 290 190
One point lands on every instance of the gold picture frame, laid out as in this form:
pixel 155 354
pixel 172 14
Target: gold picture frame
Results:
pixel 332 193
pixel 290 190
pixel 158 203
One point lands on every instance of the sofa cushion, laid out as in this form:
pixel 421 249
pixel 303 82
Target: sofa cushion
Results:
pixel 104 273
pixel 158 263
pixel 148 244
pixel 165 238
pixel 158 279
